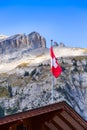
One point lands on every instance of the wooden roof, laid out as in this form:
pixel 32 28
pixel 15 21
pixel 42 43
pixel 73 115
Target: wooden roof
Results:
pixel 58 116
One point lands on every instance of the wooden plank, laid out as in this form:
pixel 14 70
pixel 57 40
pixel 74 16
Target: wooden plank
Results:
pixel 61 123
pixel 51 126
pixel 71 120
pixel 65 120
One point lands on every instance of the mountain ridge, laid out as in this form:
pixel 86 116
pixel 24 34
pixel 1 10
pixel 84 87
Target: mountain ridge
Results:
pixel 19 41
pixel 3 37
pixel 26 79
pixel 36 56
pixel 27 87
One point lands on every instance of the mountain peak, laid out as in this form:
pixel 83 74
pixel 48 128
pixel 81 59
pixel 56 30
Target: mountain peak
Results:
pixel 3 36
pixel 19 41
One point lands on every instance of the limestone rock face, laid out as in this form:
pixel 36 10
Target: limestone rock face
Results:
pixel 61 44
pixel 27 87
pixel 31 41
pixel 26 79
pixel 35 40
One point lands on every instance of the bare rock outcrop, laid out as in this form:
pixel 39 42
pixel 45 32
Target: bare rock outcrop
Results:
pixel 31 41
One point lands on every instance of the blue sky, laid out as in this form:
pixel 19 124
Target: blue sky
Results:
pixel 61 20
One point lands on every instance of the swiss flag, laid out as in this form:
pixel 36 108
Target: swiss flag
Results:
pixel 55 67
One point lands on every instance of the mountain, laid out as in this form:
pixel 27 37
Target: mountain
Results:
pixel 19 41
pixel 10 61
pixel 3 37
pixel 26 80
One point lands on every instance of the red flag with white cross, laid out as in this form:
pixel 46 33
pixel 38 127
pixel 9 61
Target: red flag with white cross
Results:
pixel 55 67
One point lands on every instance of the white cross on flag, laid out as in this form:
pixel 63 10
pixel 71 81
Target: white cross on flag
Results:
pixel 55 67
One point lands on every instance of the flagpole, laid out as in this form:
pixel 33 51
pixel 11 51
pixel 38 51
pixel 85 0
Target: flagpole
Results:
pixel 55 69
pixel 52 89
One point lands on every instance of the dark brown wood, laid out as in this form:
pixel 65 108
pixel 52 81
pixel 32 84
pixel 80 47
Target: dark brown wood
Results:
pixel 58 116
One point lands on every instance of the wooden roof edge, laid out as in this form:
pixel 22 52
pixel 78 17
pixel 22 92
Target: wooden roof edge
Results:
pixel 75 115
pixel 31 113
pixel 43 110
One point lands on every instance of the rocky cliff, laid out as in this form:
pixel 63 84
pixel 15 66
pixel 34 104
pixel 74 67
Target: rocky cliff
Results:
pixel 29 84
pixel 26 80
pixel 19 41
